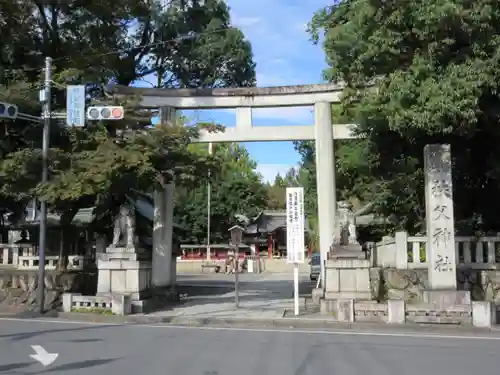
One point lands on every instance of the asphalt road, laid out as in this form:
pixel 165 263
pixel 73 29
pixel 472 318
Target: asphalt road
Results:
pixel 124 350
pixel 270 286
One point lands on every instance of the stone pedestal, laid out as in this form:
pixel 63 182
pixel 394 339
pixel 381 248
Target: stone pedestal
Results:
pixel 125 271
pixel 446 298
pixel 348 277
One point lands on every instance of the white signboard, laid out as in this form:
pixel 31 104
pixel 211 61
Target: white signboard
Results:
pixel 295 246
pixel 75 105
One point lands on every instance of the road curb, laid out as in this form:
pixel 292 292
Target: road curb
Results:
pixel 313 324
pixel 202 321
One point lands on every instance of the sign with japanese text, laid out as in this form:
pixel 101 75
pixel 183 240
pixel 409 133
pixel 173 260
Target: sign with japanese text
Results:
pixel 439 217
pixel 75 105
pixel 295 225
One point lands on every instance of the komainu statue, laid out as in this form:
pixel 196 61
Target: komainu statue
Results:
pixel 124 229
pixel 345 238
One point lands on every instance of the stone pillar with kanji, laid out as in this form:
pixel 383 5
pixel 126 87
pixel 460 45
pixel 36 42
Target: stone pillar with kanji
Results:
pixel 439 217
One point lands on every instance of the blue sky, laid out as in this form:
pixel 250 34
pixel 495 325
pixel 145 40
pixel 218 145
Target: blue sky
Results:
pixel 284 56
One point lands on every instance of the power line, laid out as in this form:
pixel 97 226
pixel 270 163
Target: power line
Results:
pixel 126 50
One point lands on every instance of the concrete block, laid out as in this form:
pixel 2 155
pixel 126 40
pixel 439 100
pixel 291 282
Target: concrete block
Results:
pixel 446 298
pixel 401 248
pixel 348 263
pixel 341 310
pixel 483 314
pixel 345 310
pixel 123 276
pixel 370 312
pixel 348 279
pixel 396 311
pixel 327 307
pixel 121 304
pixel 427 313
pixel 317 294
pixel 67 302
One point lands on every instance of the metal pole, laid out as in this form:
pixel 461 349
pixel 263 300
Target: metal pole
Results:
pixel 45 177
pixel 296 289
pixel 209 204
pixel 236 279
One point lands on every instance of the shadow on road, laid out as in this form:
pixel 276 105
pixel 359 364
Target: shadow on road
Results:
pixel 77 341
pixel 29 335
pixel 14 366
pixel 79 365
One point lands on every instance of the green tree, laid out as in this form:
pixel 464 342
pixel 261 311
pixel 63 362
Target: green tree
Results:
pixel 276 199
pixel 187 44
pixel 435 68
pixel 276 192
pixel 235 190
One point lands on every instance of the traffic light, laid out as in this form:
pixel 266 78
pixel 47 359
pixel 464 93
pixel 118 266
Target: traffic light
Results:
pixel 8 110
pixel 105 113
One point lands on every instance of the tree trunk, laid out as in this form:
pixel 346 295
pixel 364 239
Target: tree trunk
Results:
pixel 66 219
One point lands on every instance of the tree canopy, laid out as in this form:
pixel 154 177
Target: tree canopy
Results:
pixel 417 73
pixel 236 191
pixel 184 44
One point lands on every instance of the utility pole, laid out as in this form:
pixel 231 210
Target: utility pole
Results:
pixel 209 204
pixel 46 98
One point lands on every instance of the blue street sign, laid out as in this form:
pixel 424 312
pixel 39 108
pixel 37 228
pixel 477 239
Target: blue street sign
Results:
pixel 75 105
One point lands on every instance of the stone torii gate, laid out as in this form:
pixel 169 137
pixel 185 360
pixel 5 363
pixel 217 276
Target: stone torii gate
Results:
pixel 321 96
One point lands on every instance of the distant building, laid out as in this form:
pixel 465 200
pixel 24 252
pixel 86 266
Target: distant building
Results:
pixel 268 231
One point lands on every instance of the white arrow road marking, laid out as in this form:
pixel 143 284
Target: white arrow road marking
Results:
pixel 43 356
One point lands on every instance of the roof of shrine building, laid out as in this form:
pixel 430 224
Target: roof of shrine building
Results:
pixel 143 204
pixel 269 221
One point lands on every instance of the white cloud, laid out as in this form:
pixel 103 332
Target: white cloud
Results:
pixel 274 38
pixel 270 171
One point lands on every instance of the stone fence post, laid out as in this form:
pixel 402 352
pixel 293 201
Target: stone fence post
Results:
pixel 401 250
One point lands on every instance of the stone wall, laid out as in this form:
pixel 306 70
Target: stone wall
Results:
pixel 479 313
pixel 391 283
pixel 19 288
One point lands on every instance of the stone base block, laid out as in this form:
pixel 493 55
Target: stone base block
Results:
pixel 396 311
pixel 118 304
pixel 342 310
pixel 484 314
pixel 427 313
pixel 121 304
pixel 317 294
pixel 356 295
pixel 446 298
pixel 348 262
pixel 123 253
pixel 348 278
pixel 124 276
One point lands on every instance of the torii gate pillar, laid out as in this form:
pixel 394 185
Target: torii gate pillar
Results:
pixel 325 179
pixel 163 268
